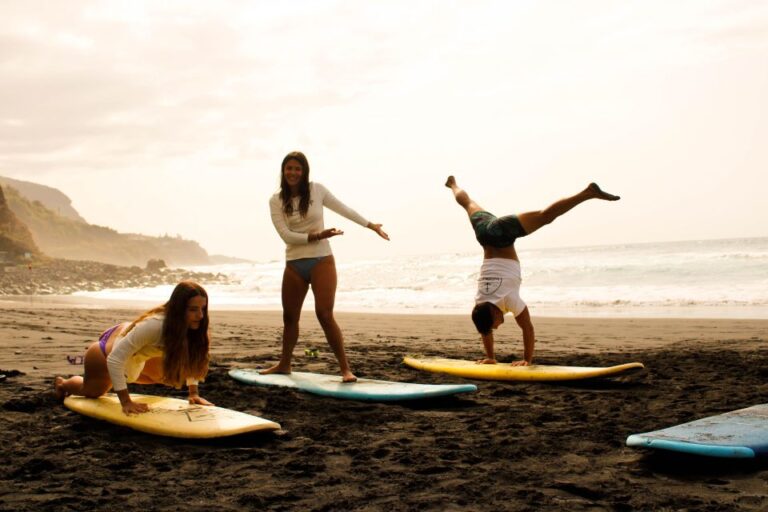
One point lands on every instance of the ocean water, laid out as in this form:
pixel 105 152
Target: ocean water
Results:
pixel 712 278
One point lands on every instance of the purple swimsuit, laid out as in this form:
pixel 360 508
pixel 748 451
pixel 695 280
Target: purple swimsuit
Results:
pixel 104 338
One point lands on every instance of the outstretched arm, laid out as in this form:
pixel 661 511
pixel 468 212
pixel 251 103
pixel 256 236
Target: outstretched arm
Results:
pixel 337 206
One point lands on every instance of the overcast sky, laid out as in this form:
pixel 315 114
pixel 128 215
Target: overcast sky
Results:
pixel 173 117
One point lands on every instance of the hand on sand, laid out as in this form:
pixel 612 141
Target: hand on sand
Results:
pixel 134 408
pixel 486 361
pixel 520 363
pixel 198 400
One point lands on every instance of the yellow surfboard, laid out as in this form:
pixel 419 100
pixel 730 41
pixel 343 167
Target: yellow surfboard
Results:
pixel 170 416
pixel 504 371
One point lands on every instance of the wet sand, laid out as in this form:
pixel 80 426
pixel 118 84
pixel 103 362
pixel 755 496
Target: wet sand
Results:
pixel 509 446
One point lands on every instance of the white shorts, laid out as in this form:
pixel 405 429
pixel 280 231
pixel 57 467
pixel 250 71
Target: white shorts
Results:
pixel 499 284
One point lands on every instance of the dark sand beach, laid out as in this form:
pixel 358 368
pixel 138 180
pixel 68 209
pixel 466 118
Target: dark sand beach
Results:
pixel 510 446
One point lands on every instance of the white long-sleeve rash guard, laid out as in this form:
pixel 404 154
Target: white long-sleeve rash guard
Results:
pixel 129 353
pixel 294 229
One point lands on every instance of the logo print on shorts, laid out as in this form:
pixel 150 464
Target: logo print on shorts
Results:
pixel 488 285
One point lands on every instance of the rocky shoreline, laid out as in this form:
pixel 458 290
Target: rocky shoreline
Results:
pixel 63 277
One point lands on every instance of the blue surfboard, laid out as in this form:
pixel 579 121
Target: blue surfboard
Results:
pixel 363 389
pixel 737 434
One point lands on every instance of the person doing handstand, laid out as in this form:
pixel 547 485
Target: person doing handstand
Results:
pixel 498 287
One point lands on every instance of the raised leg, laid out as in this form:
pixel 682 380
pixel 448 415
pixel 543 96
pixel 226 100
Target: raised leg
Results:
pixel 462 197
pixel 324 288
pixel 531 221
pixel 294 291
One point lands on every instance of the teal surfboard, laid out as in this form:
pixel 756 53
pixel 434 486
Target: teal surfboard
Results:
pixel 363 389
pixel 737 434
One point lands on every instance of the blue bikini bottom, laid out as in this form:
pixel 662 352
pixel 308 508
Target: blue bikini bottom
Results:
pixel 304 266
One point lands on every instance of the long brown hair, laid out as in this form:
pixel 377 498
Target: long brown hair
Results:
pixel 185 351
pixel 285 190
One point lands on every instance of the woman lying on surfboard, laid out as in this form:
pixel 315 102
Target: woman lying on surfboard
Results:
pixel 498 290
pixel 297 213
pixel 166 345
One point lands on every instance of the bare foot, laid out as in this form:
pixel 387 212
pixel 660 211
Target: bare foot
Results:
pixel 278 368
pixel 520 363
pixel 348 377
pixel 450 182
pixel 486 361
pixel 58 390
pixel 598 193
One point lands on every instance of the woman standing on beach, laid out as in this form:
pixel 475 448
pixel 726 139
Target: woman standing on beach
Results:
pixel 166 345
pixel 297 213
